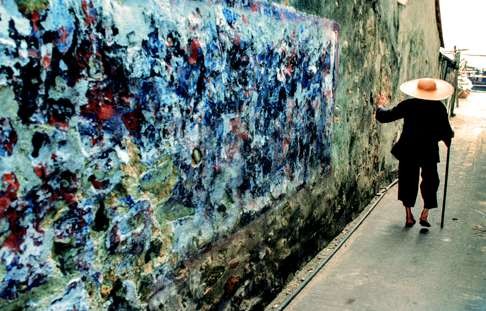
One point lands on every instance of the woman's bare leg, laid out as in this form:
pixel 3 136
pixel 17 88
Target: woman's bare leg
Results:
pixel 425 214
pixel 423 218
pixel 410 221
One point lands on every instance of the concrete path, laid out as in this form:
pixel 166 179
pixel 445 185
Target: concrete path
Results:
pixel 384 266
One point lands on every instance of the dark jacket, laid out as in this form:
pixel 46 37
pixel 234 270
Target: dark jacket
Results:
pixel 425 124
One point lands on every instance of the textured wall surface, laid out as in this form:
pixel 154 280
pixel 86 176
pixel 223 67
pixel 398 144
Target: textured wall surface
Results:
pixel 137 133
pixel 134 177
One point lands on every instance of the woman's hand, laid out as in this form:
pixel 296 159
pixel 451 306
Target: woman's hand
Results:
pixel 381 101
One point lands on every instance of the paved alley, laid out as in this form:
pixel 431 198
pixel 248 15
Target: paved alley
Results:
pixel 384 266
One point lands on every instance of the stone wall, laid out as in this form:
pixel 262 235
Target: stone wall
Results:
pixel 97 216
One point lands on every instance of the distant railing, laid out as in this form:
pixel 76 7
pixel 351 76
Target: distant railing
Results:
pixel 449 71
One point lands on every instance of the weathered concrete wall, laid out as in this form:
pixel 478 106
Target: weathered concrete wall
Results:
pixel 382 45
pixel 117 248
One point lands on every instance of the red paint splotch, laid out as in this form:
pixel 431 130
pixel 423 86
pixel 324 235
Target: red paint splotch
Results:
pixel 9 141
pixel 46 61
pixel 11 185
pixel 17 232
pixel 40 171
pixel 11 211
pixel 98 184
pixel 133 121
pixel 195 51
pixel 35 18
pixel 100 104
pixel 105 111
pixel 63 125
pixel 4 205
pixel 63 34
pixel 89 12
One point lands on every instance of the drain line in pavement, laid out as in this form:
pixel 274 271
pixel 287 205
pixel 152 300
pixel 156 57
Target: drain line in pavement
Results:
pixel 304 283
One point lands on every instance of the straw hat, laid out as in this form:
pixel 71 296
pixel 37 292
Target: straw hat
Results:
pixel 428 89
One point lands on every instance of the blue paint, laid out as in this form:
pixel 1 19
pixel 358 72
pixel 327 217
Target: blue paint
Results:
pixel 226 106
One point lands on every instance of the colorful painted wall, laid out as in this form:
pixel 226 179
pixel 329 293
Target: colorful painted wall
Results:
pixel 136 135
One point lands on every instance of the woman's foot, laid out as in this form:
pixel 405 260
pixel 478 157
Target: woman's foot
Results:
pixel 410 221
pixel 423 218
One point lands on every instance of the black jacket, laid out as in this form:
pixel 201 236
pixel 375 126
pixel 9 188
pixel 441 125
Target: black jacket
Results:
pixel 425 124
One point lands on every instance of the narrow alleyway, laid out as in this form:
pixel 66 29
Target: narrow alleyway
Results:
pixel 384 266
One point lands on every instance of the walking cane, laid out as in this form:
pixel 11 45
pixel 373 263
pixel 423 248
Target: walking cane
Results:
pixel 445 185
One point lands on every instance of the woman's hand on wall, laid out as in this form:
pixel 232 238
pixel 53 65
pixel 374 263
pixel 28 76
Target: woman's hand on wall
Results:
pixel 381 101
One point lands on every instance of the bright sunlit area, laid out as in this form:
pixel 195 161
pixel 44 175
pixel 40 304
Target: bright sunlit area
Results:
pixel 463 27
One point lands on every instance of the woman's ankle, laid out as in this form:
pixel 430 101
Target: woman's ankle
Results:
pixel 408 213
pixel 425 214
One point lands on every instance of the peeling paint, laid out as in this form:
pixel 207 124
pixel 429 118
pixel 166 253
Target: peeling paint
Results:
pixel 135 133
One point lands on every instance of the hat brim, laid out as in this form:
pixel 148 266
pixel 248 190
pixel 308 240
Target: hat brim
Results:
pixel 444 90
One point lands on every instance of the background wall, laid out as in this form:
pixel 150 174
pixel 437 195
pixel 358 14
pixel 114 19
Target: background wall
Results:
pixel 108 254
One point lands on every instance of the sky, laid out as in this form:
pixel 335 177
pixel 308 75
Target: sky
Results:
pixel 463 26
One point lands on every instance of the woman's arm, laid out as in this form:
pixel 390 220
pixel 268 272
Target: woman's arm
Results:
pixel 384 115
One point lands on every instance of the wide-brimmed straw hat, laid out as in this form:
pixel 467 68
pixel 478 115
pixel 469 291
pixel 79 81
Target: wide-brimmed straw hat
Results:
pixel 428 89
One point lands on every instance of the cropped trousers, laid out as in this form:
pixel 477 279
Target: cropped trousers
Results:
pixel 408 183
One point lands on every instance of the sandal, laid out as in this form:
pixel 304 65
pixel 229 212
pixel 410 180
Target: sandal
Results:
pixel 424 223
pixel 410 224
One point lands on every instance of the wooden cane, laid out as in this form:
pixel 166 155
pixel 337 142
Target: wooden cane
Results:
pixel 445 186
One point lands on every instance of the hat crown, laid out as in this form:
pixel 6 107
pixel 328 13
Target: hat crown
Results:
pixel 428 85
